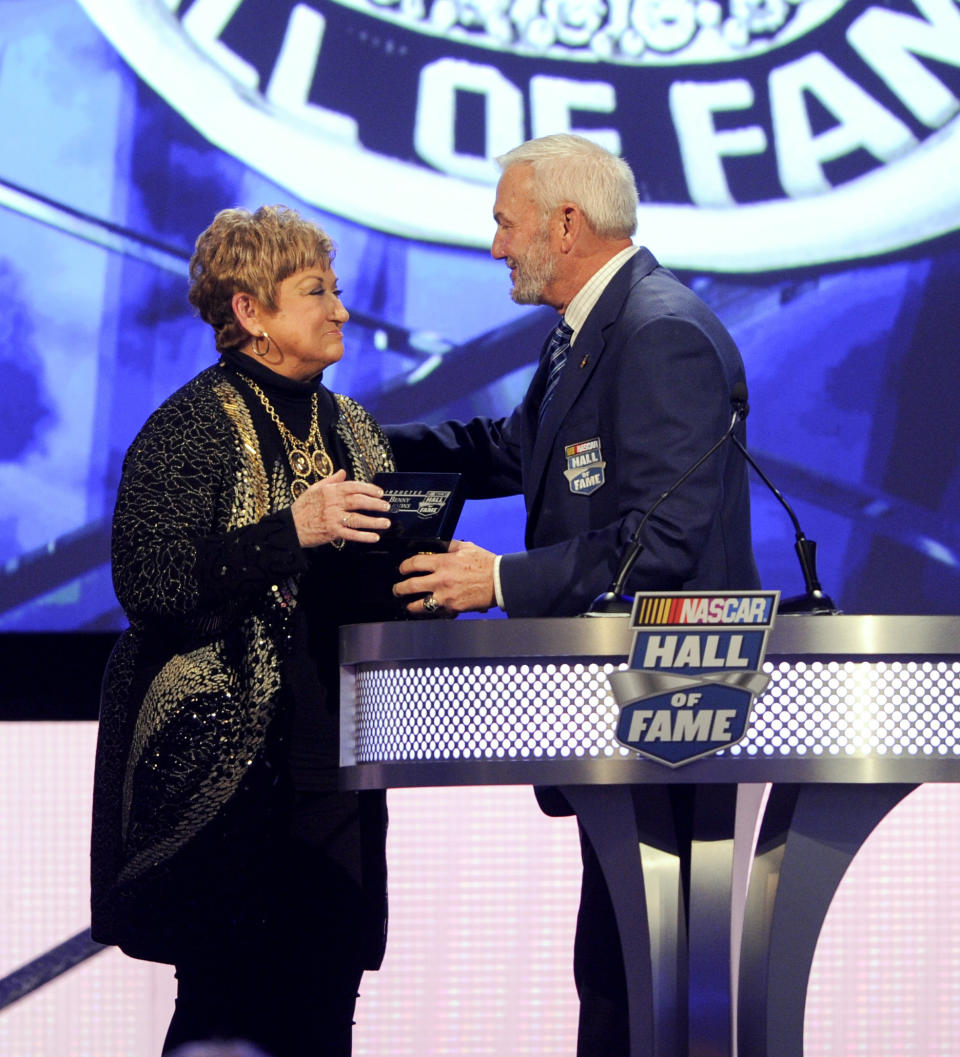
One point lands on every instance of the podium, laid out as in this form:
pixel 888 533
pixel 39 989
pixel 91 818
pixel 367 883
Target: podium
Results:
pixel 719 925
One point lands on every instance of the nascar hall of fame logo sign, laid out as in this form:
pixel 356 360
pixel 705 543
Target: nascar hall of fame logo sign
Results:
pixel 429 504
pixel 694 672
pixel 585 471
pixel 765 133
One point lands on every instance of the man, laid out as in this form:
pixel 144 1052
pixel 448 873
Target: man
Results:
pixel 628 395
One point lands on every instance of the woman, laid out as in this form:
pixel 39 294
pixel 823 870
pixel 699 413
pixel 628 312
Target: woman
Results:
pixel 220 841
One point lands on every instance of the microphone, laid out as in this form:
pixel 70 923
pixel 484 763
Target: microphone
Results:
pixel 613 601
pixel 813 601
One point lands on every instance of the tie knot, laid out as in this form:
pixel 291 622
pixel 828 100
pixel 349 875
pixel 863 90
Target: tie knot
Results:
pixel 561 333
pixel 559 341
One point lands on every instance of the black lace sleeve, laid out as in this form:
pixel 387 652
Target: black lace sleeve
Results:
pixel 180 543
pixel 240 562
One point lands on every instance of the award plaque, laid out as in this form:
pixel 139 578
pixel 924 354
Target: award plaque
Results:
pixel 424 509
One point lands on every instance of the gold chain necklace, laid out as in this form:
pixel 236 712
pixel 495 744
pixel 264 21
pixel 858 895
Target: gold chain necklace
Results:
pixel 308 459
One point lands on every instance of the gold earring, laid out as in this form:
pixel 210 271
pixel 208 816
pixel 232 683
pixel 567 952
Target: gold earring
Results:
pixel 256 347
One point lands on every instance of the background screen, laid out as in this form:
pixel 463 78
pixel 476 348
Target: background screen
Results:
pixel 797 165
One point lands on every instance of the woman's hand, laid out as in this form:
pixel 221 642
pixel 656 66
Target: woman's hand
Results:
pixel 331 510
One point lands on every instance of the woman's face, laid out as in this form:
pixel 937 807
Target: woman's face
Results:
pixel 305 328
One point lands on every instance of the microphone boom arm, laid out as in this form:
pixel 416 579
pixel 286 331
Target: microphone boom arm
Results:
pixel 635 546
pixel 612 600
pixel 814 600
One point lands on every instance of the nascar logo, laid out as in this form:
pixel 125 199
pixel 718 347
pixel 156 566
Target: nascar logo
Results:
pixel 694 672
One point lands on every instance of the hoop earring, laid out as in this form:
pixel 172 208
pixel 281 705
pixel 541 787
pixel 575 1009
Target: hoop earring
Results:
pixel 256 347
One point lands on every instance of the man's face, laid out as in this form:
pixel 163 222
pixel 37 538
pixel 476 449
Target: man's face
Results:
pixel 523 238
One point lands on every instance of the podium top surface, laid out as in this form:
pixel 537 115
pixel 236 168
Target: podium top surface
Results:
pixel 846 636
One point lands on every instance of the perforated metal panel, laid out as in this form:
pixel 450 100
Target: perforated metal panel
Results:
pixel 550 710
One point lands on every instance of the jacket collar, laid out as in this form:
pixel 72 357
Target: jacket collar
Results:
pixel 587 352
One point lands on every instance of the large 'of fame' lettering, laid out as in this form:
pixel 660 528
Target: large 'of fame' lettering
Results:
pixel 766 134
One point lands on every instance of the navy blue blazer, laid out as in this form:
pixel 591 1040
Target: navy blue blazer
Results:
pixel 645 391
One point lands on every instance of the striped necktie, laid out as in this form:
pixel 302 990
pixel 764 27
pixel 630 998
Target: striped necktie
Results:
pixel 557 349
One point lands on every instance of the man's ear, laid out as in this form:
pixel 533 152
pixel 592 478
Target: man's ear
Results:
pixel 246 309
pixel 571 221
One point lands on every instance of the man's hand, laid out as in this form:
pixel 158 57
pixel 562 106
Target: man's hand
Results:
pixel 457 582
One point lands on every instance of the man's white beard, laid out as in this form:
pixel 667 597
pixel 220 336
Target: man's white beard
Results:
pixel 534 273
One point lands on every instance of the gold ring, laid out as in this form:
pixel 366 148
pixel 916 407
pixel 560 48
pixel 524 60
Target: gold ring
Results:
pixel 431 605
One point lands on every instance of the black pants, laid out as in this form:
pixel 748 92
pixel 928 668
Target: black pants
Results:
pixel 665 820
pixel 284 976
pixel 290 1006
pixel 604 1028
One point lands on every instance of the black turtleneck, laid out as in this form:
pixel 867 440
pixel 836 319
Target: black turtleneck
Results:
pixel 289 397
pixel 334 585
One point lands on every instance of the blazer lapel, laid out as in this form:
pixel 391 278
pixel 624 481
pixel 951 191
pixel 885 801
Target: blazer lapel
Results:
pixel 587 351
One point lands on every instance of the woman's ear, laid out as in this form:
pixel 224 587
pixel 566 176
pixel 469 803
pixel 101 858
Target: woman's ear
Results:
pixel 246 309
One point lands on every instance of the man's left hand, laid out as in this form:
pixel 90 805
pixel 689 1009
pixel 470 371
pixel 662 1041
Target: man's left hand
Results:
pixel 457 582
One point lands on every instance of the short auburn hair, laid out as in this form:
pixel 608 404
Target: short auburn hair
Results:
pixel 251 253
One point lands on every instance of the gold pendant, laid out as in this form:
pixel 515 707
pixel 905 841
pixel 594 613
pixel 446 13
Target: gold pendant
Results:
pixel 298 486
pixel 300 462
pixel 322 463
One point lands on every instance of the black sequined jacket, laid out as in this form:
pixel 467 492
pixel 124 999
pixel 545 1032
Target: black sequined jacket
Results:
pixel 207 567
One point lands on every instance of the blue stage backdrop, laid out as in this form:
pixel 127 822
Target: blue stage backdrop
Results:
pixel 797 161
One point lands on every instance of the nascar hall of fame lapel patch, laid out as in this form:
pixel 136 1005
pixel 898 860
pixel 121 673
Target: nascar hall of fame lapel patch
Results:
pixel 585 466
pixel 694 672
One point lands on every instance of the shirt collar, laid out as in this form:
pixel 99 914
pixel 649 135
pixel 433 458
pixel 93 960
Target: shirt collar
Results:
pixel 589 294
